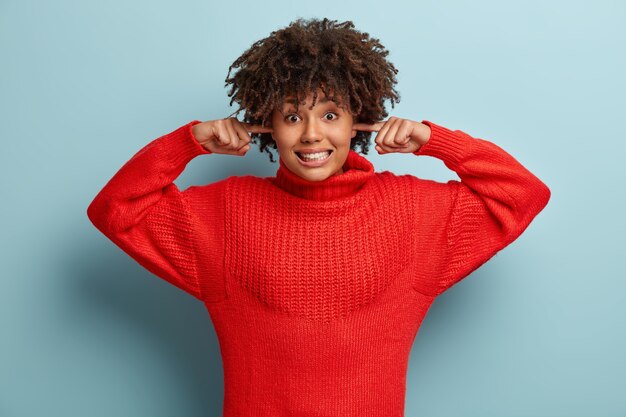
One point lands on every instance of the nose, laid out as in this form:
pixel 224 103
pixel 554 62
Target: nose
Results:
pixel 312 132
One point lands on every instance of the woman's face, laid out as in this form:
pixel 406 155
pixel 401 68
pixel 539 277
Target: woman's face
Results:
pixel 326 127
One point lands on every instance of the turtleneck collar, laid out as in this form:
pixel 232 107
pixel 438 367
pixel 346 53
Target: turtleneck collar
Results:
pixel 356 171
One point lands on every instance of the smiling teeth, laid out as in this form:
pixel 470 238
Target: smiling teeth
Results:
pixel 315 156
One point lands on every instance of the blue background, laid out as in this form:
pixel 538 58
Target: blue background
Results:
pixel 537 331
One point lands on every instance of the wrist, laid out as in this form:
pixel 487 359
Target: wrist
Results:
pixel 424 134
pixel 194 132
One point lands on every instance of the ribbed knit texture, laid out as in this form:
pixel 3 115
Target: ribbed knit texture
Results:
pixel 317 289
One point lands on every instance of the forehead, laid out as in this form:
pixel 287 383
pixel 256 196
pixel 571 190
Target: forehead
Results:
pixel 292 100
pixel 321 99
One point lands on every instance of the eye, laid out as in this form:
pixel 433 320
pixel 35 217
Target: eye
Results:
pixel 287 118
pixel 289 115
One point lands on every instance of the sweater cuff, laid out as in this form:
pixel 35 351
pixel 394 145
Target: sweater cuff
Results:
pixel 188 146
pixel 191 125
pixel 445 144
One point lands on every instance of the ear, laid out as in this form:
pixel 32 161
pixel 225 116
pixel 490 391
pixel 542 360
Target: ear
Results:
pixel 268 123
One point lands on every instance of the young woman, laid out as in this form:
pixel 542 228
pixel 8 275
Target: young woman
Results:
pixel 318 278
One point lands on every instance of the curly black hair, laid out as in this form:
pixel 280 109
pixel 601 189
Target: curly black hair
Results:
pixel 310 54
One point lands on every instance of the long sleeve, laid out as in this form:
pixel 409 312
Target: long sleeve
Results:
pixel 469 221
pixel 143 212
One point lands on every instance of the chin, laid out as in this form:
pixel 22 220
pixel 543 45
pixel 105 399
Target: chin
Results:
pixel 315 174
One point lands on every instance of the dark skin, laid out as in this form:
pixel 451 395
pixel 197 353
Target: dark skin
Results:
pixel 230 136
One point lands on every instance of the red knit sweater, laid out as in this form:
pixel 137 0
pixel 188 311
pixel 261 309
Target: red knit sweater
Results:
pixel 317 289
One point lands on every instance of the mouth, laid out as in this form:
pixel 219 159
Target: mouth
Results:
pixel 314 156
pixel 314 159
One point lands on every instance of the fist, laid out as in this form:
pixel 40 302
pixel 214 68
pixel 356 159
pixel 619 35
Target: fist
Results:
pixel 397 135
pixel 226 136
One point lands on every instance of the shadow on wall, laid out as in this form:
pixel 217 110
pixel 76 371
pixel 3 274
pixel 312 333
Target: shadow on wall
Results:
pixel 108 289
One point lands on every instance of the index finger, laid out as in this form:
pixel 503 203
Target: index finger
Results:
pixel 373 127
pixel 256 128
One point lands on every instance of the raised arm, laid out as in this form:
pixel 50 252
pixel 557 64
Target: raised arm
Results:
pixel 143 212
pixel 467 222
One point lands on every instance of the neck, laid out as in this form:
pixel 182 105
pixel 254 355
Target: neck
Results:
pixel 354 173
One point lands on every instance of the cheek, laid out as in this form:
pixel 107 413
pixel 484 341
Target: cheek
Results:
pixel 344 139
pixel 282 139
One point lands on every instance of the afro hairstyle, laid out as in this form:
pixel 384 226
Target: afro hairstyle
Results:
pixel 348 66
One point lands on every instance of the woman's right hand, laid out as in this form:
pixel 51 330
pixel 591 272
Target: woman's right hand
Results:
pixel 227 136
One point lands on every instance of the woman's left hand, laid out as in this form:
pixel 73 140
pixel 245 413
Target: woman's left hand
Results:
pixel 397 135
